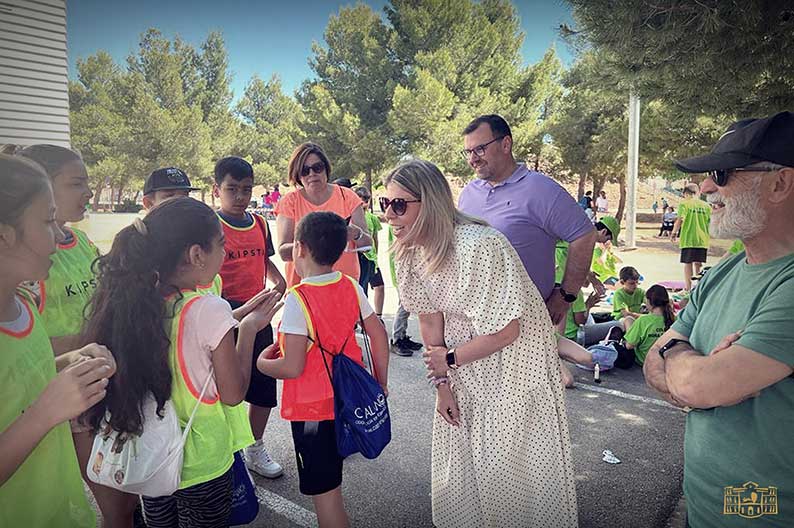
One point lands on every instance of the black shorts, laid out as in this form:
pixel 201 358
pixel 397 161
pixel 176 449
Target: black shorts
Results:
pixel 262 389
pixel 376 279
pixel 319 463
pixel 693 255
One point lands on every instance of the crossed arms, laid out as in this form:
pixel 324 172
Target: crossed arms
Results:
pixel 729 375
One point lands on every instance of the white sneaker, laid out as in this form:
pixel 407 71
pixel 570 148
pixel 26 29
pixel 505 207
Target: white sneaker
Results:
pixel 258 460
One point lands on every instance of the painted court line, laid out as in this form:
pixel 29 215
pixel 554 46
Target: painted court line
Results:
pixel 625 395
pixel 286 508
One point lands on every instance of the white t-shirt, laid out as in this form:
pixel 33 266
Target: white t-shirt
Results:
pixel 206 323
pixel 602 204
pixel 21 322
pixel 292 319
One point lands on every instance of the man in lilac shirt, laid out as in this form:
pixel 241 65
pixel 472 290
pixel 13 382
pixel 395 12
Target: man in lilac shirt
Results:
pixel 530 209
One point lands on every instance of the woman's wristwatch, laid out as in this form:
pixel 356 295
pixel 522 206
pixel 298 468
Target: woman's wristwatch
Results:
pixel 451 359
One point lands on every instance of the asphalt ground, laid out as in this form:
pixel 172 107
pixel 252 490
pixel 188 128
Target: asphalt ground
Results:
pixel 394 490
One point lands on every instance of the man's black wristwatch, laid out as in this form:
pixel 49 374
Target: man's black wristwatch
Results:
pixel 670 344
pixel 567 297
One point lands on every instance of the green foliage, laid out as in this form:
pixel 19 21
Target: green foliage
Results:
pixel 271 127
pixel 709 57
pixel 169 107
pixel 589 127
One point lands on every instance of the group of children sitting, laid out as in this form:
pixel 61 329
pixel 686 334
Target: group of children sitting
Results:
pixel 175 312
pixel 636 319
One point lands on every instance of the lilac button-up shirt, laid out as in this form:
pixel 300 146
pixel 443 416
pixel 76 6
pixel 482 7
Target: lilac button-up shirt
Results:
pixel 533 212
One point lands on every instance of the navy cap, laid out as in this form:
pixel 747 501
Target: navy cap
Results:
pixel 746 142
pixel 344 182
pixel 167 179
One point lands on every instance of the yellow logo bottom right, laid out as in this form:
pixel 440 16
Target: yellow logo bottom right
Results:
pixel 750 500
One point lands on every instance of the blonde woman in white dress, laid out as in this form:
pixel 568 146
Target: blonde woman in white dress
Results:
pixel 501 454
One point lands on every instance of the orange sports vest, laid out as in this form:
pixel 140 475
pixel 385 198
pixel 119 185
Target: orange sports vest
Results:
pixel 243 269
pixel 331 310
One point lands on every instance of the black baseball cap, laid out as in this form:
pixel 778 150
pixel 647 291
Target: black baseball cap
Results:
pixel 344 182
pixel 746 142
pixel 167 179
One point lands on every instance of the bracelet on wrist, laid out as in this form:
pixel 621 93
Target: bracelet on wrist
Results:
pixel 441 380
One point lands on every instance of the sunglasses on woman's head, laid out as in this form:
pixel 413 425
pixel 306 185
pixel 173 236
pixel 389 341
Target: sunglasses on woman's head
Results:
pixel 398 205
pixel 317 168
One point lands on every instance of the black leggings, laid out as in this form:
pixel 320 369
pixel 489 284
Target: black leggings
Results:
pixel 205 505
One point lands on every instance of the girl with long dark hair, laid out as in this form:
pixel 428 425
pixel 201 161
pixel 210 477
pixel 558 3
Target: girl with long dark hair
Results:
pixel 168 339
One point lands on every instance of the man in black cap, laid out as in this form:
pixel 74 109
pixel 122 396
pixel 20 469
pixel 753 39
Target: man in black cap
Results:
pixel 730 355
pixel 163 184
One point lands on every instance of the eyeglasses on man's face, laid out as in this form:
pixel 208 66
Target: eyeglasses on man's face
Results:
pixel 479 150
pixel 398 205
pixel 720 176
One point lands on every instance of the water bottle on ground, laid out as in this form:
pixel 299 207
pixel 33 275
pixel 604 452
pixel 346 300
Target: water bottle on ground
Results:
pixel 580 335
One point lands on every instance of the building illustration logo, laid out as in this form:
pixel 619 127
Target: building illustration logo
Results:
pixel 750 500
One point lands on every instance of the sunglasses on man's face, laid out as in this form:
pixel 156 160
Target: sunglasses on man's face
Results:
pixel 398 205
pixel 317 168
pixel 720 176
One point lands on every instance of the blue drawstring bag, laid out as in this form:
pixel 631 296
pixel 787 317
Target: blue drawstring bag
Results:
pixel 245 505
pixel 361 413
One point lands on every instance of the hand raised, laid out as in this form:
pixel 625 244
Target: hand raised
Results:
pixel 261 315
pixel 75 389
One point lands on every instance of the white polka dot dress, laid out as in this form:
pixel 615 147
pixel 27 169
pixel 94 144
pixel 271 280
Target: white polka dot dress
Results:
pixel 509 462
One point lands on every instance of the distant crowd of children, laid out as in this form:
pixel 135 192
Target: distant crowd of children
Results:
pixel 636 317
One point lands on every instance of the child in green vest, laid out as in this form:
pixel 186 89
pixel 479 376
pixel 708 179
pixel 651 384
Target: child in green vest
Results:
pixel 66 292
pixel 320 311
pixel 627 301
pixel 40 482
pixel 649 327
pixel 169 339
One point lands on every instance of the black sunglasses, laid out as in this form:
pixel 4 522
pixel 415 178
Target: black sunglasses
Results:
pixel 398 205
pixel 317 168
pixel 720 176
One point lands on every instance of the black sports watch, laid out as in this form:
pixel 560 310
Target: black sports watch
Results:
pixel 567 297
pixel 670 344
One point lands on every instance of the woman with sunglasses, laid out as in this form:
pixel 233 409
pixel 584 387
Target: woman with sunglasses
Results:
pixel 501 453
pixel 310 174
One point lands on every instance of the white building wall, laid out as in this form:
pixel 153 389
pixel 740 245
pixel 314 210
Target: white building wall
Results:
pixel 34 96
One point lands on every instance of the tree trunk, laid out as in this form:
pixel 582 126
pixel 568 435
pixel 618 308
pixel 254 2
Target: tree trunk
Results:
pixel 121 193
pixel 598 184
pixel 622 202
pixel 580 189
pixel 98 195
pixel 537 161
pixel 203 195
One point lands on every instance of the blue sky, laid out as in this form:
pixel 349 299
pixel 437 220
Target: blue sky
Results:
pixel 262 37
